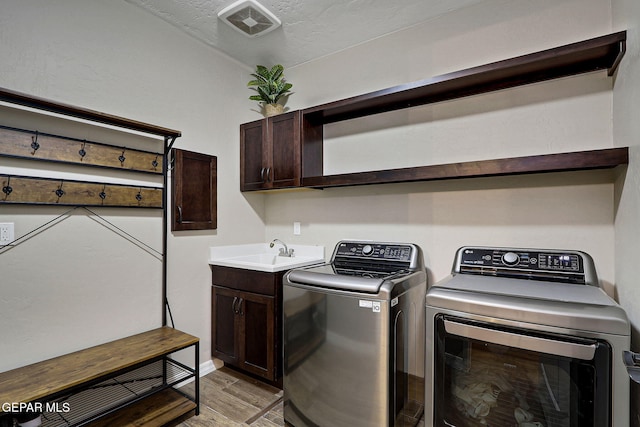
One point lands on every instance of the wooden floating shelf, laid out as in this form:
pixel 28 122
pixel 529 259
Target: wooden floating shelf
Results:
pixel 51 191
pixel 20 98
pixel 601 53
pixel 33 145
pixel 561 162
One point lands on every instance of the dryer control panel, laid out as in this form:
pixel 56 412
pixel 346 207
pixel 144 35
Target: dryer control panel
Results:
pixel 539 264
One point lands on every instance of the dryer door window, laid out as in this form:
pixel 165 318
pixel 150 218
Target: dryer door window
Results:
pixel 501 377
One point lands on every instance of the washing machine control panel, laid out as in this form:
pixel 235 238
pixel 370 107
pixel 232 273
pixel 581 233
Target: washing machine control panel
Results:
pixel 378 251
pixel 522 259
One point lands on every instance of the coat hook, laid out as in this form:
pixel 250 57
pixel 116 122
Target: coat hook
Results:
pixel 82 151
pixel 122 158
pixel 60 191
pixel 34 143
pixel 7 189
pixel 103 194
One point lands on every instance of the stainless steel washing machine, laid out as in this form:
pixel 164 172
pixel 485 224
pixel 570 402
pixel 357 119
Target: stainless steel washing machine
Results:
pixel 354 338
pixel 524 337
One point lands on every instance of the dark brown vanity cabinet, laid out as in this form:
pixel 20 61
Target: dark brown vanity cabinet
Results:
pixel 246 324
pixel 194 192
pixel 270 155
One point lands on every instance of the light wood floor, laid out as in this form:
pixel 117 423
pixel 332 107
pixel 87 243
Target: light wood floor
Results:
pixel 231 399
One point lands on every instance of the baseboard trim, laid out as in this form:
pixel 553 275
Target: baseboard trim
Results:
pixel 207 367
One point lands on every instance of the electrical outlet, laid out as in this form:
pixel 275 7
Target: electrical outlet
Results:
pixel 7 234
pixel 296 228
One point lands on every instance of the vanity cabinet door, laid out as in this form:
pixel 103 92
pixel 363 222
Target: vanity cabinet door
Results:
pixel 225 325
pixel 257 348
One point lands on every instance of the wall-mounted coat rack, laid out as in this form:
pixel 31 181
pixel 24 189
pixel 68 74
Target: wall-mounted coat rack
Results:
pixel 169 136
pixel 34 145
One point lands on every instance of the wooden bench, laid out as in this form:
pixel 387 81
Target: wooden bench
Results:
pixel 127 382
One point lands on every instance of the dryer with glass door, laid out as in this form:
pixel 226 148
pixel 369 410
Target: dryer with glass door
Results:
pixel 527 338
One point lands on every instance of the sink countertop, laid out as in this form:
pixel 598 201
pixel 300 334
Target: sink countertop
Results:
pixel 260 257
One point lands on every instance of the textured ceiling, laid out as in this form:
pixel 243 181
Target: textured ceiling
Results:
pixel 310 28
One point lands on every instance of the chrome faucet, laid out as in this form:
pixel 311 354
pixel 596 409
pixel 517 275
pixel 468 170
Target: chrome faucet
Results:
pixel 283 251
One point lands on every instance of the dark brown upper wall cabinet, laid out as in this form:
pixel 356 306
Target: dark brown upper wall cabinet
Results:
pixel 270 153
pixel 194 192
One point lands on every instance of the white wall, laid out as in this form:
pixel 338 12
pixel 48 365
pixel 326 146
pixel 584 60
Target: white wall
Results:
pixel 555 211
pixel 79 284
pixel 112 57
pixel 626 132
pixel 626 108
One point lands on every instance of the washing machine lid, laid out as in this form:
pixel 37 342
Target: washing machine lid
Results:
pixel 563 305
pixel 362 266
pixel 325 277
pixel 330 277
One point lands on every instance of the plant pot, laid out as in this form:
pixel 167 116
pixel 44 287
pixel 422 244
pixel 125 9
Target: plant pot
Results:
pixel 273 109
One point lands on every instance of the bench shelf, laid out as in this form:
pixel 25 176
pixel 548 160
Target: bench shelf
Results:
pixel 110 381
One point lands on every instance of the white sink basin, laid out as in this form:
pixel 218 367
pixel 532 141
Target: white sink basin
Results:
pixel 260 257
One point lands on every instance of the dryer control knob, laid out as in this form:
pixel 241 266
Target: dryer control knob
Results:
pixel 510 258
pixel 367 250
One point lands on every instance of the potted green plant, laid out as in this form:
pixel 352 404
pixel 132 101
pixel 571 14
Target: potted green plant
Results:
pixel 271 87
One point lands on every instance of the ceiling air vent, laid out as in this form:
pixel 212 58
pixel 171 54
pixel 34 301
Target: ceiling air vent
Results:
pixel 249 17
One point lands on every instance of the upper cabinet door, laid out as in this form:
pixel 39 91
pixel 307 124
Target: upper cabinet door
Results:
pixel 253 155
pixel 284 135
pixel 270 153
pixel 194 192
